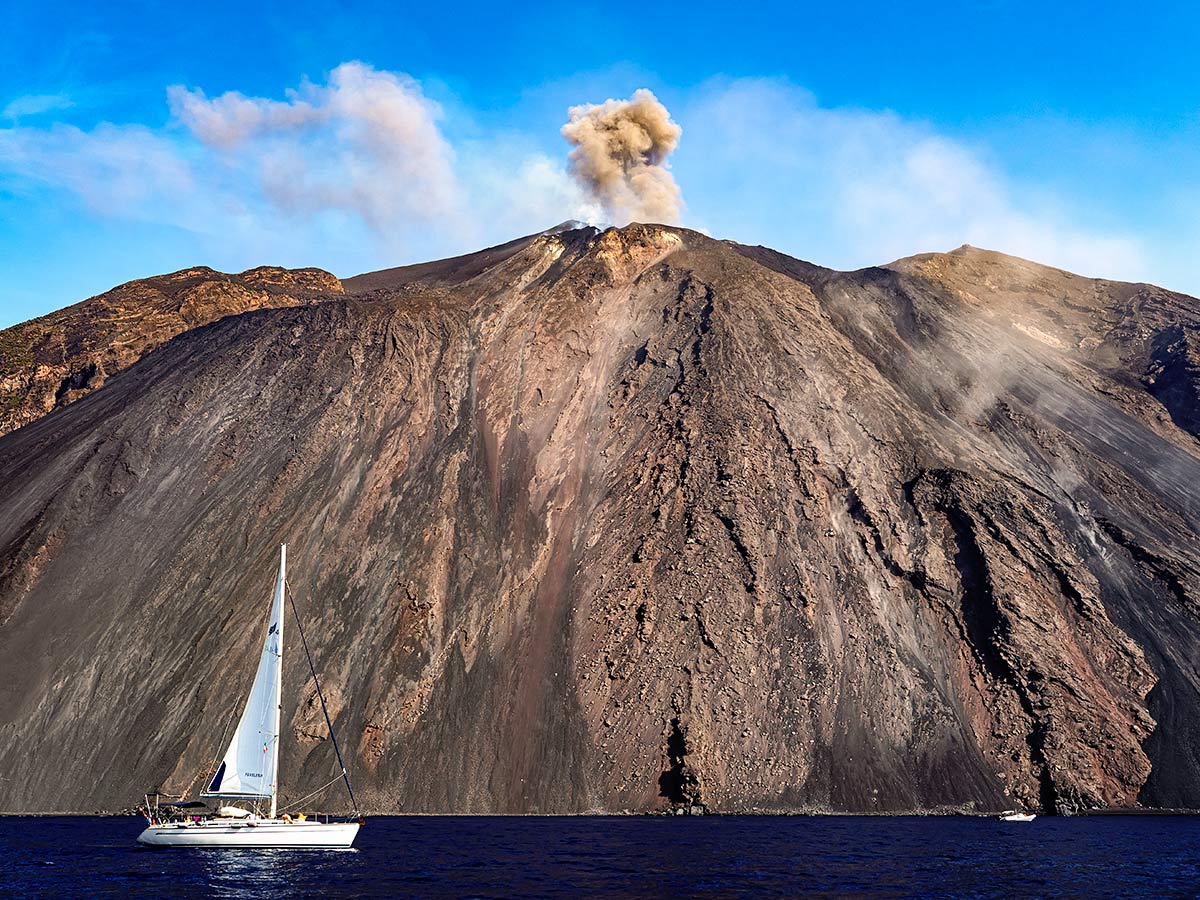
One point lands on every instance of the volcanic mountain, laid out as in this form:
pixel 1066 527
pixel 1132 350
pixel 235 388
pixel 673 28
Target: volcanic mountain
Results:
pixel 621 520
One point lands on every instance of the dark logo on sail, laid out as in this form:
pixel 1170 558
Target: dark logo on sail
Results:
pixel 274 628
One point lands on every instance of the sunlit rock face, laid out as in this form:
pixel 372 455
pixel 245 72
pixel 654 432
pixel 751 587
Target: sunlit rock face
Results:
pixel 53 360
pixel 627 520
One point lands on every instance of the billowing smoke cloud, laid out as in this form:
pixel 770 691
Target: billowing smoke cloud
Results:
pixel 620 157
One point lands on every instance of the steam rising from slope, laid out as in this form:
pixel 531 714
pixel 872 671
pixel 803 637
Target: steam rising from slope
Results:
pixel 620 157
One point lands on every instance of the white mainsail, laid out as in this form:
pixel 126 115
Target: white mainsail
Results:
pixel 249 769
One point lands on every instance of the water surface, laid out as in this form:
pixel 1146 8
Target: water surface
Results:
pixel 643 857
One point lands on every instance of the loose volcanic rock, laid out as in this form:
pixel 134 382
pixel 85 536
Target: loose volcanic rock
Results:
pixel 627 520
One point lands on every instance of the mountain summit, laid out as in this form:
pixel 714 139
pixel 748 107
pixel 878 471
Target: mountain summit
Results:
pixel 614 520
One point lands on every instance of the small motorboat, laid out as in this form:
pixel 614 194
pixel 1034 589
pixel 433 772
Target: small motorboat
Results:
pixel 1016 817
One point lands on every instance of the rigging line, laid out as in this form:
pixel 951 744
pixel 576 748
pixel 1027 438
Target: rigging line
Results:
pixel 320 696
pixel 306 797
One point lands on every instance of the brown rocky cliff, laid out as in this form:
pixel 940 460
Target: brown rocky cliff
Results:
pixel 53 360
pixel 627 520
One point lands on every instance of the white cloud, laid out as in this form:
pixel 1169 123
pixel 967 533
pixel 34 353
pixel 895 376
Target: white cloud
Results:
pixel 516 189
pixel 35 105
pixel 358 160
pixel 850 187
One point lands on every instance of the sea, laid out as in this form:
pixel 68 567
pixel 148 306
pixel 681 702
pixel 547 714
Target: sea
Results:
pixel 626 856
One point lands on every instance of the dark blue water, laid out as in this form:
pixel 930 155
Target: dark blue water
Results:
pixel 643 857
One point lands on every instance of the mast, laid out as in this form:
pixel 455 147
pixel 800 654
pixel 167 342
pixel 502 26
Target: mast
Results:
pixel 278 688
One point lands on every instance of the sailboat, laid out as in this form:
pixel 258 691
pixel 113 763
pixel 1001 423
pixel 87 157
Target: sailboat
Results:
pixel 248 773
pixel 1016 817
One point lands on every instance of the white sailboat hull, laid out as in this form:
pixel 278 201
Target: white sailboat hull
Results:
pixel 264 834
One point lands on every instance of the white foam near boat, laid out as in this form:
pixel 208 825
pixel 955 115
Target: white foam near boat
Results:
pixel 249 770
pixel 1017 817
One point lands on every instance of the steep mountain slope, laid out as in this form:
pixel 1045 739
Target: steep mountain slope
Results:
pixel 50 361
pixel 625 520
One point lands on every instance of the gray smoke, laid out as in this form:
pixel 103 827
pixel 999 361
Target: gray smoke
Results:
pixel 368 142
pixel 620 157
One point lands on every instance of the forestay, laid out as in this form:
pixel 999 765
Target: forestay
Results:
pixel 249 766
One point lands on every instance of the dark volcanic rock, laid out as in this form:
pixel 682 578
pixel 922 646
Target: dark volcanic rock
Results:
pixel 631 520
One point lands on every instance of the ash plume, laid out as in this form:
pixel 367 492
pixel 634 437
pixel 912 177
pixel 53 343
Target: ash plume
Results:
pixel 620 157
pixel 367 142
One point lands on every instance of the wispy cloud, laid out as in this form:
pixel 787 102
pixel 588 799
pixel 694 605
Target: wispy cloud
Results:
pixel 852 187
pixel 35 105
pixel 119 171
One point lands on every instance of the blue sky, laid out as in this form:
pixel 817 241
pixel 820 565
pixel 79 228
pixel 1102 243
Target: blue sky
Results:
pixel 847 134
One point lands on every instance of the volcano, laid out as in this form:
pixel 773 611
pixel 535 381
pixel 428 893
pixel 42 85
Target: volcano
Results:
pixel 622 520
